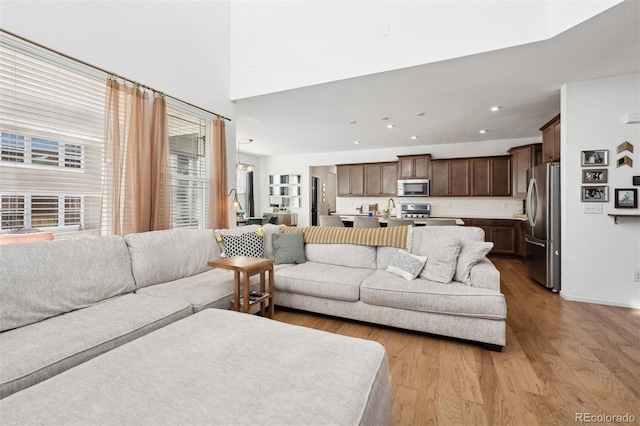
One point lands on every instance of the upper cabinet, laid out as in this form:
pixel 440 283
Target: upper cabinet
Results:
pixel 491 176
pixel 450 177
pixel 414 166
pixel 522 159
pixel 551 140
pixel 350 180
pixel 380 179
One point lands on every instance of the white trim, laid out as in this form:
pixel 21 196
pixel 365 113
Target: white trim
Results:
pixel 598 301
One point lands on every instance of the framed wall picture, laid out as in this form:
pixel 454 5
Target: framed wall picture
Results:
pixel 594 158
pixel 598 194
pixel 594 176
pixel 626 198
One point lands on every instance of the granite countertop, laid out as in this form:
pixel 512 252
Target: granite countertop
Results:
pixel 514 216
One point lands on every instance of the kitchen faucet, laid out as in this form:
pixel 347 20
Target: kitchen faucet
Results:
pixel 392 202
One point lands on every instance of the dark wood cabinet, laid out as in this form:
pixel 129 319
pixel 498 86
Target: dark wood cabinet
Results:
pixel 350 179
pixel 503 233
pixel 491 176
pixel 380 179
pixel 522 159
pixel 439 178
pixel 450 177
pixel 551 140
pixel 414 166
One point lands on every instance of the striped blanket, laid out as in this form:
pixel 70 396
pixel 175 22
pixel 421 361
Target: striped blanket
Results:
pixel 394 236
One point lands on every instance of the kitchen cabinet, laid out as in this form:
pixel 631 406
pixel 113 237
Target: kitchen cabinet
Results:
pixel 350 179
pixel 551 140
pixel 522 159
pixel 414 166
pixel 491 176
pixel 521 247
pixel 380 179
pixel 450 177
pixel 503 233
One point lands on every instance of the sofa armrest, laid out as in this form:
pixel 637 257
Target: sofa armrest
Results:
pixel 485 275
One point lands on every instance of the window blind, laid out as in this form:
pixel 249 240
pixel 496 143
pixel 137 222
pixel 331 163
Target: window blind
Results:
pixel 51 139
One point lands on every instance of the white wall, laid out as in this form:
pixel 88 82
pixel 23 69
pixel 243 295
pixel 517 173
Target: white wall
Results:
pixel 280 45
pixel 598 256
pixel 181 48
pixel 301 164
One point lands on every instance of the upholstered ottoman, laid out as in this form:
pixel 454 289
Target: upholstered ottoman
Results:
pixel 218 367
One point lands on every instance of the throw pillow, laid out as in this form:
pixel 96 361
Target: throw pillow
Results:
pixel 406 265
pixel 471 253
pixel 288 248
pixel 249 244
pixel 442 257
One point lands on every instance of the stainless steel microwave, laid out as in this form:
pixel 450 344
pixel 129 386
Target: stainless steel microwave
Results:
pixel 413 188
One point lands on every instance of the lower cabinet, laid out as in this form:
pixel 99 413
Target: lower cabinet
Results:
pixel 507 235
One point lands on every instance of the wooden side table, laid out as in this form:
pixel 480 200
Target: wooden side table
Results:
pixel 248 267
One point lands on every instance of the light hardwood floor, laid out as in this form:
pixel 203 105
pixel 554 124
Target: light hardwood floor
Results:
pixel 561 358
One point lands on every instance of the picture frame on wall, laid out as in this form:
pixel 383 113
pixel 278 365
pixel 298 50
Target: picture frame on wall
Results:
pixel 599 194
pixel 595 176
pixel 626 198
pixel 595 157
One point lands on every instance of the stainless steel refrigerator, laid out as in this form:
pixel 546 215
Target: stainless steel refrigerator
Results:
pixel 543 225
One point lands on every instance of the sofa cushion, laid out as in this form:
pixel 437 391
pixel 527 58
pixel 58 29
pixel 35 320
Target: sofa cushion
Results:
pixel 39 351
pixel 442 258
pixel 425 233
pixel 161 256
pixel 350 255
pixel 288 248
pixel 249 244
pixel 322 280
pixel 384 256
pixel 219 368
pixel 406 265
pixel 385 289
pixel 209 289
pixel 471 252
pixel 43 279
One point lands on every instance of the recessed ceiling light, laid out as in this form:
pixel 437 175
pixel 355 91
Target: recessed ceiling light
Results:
pixel 390 126
pixel 495 108
pixel 414 137
pixel 420 114
pixel 356 142
pixel 483 131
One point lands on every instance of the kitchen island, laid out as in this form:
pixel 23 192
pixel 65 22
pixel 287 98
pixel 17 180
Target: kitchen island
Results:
pixel 419 221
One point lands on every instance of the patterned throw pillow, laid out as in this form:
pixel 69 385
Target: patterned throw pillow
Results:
pixel 249 244
pixel 406 265
pixel 288 248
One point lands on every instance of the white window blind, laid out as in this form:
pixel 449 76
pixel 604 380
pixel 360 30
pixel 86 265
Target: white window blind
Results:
pixel 189 168
pixel 51 139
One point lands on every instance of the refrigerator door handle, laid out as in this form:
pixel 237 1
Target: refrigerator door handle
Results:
pixel 533 242
pixel 531 198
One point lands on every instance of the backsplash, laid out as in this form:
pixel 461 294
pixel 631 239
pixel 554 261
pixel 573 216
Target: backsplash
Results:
pixel 480 207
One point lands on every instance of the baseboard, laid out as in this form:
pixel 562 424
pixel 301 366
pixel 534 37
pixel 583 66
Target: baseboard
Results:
pixel 573 298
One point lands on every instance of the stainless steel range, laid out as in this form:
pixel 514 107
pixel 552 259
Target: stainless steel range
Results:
pixel 416 210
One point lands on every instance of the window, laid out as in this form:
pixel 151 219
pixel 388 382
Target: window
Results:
pixel 52 165
pixel 189 169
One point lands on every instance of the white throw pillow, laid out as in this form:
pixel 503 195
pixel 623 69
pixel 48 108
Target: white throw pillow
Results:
pixel 442 257
pixel 471 253
pixel 406 265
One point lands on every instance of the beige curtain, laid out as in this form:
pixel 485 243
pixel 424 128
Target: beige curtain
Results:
pixel 160 174
pixel 218 200
pixel 127 154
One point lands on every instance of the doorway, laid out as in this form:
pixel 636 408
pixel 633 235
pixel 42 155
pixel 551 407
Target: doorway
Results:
pixel 315 181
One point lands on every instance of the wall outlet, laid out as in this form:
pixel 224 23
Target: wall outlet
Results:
pixel 636 275
pixel 592 208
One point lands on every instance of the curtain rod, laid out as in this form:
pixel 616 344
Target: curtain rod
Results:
pixel 109 73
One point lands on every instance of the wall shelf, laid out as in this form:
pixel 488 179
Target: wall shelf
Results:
pixel 616 216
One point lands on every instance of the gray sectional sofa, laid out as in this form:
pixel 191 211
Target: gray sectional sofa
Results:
pixel 87 305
